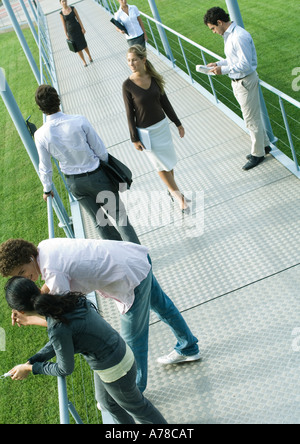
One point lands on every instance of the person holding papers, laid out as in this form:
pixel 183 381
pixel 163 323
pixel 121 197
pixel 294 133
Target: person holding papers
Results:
pixel 240 65
pixel 147 106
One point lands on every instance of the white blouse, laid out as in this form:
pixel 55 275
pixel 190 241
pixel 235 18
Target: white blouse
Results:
pixel 113 268
pixel 130 21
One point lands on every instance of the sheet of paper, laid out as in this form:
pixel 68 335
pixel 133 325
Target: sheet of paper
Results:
pixel 204 69
pixel 144 138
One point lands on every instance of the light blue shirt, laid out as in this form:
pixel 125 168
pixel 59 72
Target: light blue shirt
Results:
pixel 72 141
pixel 241 59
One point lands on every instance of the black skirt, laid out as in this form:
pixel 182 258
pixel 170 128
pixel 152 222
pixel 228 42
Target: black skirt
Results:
pixel 74 30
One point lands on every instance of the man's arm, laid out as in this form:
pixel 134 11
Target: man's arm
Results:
pixel 45 167
pixel 94 141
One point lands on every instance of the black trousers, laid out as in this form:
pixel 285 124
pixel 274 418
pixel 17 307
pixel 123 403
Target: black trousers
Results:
pixel 100 198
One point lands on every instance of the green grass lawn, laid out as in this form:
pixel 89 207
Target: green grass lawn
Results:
pixel 275 35
pixel 24 214
pixel 277 44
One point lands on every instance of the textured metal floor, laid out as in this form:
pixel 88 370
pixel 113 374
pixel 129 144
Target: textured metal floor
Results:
pixel 237 281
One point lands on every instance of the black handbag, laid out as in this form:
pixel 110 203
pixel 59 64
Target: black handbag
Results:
pixel 71 45
pixel 119 25
pixel 118 172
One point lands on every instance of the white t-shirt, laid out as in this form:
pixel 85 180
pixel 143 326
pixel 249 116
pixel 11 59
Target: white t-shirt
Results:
pixel 114 268
pixel 130 21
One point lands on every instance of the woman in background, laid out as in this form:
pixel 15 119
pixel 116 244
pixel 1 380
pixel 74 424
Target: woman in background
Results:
pixel 75 326
pixel 129 16
pixel 74 30
pixel 146 106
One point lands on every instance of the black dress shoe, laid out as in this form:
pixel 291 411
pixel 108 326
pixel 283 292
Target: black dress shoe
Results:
pixel 253 162
pixel 268 149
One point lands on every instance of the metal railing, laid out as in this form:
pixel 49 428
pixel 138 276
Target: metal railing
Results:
pixel 65 406
pixel 46 74
pixel 186 54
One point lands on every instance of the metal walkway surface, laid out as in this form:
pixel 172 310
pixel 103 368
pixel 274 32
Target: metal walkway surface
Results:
pixel 236 283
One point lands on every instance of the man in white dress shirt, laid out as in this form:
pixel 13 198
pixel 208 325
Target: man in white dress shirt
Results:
pixel 118 270
pixel 240 65
pixel 80 151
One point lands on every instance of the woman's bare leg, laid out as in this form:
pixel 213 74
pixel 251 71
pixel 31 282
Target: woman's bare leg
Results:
pixel 80 53
pixel 168 178
pixel 88 53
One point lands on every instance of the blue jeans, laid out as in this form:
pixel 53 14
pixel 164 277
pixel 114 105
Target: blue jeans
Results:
pixel 135 325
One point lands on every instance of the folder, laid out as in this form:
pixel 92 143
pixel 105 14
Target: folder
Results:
pixel 119 25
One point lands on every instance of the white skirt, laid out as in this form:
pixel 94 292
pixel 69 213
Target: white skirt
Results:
pixel 162 154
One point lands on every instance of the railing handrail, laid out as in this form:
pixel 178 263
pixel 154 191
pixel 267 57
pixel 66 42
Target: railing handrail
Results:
pixel 279 93
pixel 217 57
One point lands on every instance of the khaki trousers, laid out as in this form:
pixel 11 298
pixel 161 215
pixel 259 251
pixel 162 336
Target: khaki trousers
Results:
pixel 246 92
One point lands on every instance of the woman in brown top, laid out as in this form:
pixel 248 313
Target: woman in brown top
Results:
pixel 146 106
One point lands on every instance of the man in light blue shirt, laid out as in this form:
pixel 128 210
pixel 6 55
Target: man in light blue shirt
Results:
pixel 240 65
pixel 80 151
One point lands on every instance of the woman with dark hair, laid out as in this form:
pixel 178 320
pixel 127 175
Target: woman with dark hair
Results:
pixel 75 326
pixel 74 30
pixel 147 106
pixel 117 270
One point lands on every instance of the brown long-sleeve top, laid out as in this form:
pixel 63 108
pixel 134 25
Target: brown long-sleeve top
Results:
pixel 145 107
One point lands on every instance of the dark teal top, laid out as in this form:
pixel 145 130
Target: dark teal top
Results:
pixel 86 333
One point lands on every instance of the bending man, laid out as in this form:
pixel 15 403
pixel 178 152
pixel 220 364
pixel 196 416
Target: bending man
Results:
pixel 118 270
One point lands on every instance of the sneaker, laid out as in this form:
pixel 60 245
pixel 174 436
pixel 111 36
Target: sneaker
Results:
pixel 175 358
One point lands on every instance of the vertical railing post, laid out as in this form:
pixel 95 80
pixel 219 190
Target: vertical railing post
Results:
pixel 29 21
pixel 22 39
pixel 210 78
pixel 63 400
pixel 185 60
pixel 288 131
pixel 161 31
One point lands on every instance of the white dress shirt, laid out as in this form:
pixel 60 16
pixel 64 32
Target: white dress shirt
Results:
pixel 130 21
pixel 113 268
pixel 241 59
pixel 72 141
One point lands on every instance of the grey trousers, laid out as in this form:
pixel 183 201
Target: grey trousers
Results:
pixel 246 92
pixel 140 40
pixel 124 401
pixel 96 192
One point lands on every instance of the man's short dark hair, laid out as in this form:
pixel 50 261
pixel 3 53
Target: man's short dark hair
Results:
pixel 47 99
pixel 214 14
